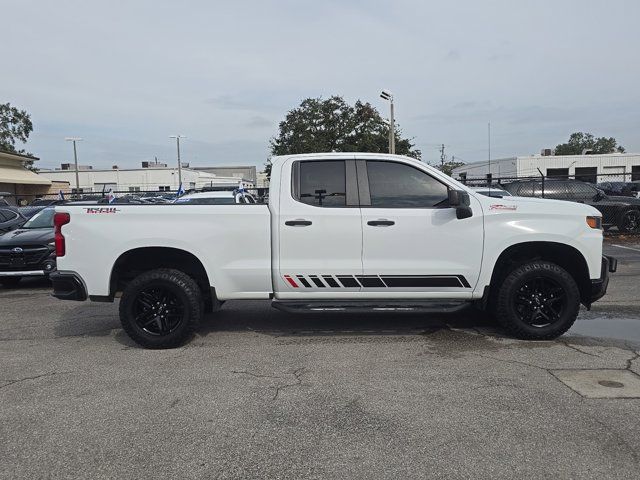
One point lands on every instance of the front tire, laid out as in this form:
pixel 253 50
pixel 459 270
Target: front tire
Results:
pixel 630 221
pixel 538 301
pixel 10 282
pixel 161 308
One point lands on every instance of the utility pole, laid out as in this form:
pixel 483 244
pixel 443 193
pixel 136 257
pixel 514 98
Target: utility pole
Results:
pixel 387 95
pixel 75 160
pixel 178 137
pixel 442 155
pixel 489 151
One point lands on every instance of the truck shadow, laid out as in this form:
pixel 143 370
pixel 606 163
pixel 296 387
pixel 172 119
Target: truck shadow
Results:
pixel 262 318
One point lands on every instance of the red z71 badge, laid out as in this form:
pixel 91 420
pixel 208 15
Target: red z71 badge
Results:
pixel 503 207
pixel 102 210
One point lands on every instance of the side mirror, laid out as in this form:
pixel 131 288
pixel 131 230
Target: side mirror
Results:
pixel 459 200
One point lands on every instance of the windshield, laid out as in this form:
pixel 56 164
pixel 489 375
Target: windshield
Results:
pixel 42 219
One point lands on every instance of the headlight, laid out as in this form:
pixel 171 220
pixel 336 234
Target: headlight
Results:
pixel 595 222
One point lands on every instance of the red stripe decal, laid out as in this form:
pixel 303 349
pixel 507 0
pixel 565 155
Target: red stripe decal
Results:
pixel 291 281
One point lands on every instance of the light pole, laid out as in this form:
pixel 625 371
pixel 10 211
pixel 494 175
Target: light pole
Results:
pixel 75 159
pixel 178 137
pixel 387 95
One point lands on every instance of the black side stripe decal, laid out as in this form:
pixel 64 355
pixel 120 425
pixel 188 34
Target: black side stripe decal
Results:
pixel 317 281
pixel 384 281
pixel 348 281
pixel 330 281
pixel 370 281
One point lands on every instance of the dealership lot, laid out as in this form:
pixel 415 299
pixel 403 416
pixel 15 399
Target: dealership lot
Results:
pixel 259 393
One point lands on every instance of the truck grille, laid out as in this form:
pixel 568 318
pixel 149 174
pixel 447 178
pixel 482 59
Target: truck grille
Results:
pixel 29 258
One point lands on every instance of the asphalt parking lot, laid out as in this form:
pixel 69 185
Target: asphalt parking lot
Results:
pixel 263 394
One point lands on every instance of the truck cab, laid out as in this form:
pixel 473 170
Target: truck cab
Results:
pixel 341 231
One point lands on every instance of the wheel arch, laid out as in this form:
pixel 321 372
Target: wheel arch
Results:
pixel 135 261
pixel 563 255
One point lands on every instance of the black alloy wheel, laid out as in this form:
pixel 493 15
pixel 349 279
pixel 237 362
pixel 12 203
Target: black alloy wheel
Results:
pixel 540 301
pixel 158 311
pixel 161 308
pixel 630 221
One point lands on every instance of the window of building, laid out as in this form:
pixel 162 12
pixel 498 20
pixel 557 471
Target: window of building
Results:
pixel 558 172
pixel 164 188
pixel 635 173
pixel 489 178
pixel 322 184
pixel 396 185
pixel 463 177
pixel 77 190
pixel 587 174
pixel 134 189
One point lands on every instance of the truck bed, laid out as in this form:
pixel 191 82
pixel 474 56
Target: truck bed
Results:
pixel 232 241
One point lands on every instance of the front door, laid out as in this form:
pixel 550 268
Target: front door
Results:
pixel 413 244
pixel 320 231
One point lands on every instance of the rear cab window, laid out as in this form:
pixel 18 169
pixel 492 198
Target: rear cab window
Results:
pixel 320 183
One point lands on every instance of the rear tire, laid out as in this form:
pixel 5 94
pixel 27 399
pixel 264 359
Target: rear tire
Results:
pixel 538 301
pixel 10 282
pixel 161 308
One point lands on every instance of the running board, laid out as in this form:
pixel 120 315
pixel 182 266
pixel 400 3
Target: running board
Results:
pixel 396 306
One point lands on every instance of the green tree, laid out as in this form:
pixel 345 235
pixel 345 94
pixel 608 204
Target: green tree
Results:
pixel 579 141
pixel 332 125
pixel 448 166
pixel 15 125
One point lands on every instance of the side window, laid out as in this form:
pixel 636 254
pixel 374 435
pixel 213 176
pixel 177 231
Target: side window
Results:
pixel 581 191
pixel 396 185
pixel 322 184
pixel 7 215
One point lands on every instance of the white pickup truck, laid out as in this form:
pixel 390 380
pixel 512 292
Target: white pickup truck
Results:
pixel 341 231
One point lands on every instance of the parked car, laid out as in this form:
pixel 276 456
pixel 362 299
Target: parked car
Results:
pixel 622 212
pixel 624 189
pixel 10 218
pixel 342 232
pixel 495 192
pixel 216 198
pixel 29 250
pixel 46 202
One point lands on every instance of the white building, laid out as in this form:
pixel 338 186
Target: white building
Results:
pixel 590 168
pixel 138 179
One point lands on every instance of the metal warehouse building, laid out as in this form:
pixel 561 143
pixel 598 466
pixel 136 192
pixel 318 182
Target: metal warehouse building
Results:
pixel 137 179
pixel 610 167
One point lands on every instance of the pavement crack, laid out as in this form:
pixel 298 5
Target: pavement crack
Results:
pixel 630 361
pixel 574 347
pixel 513 361
pixel 297 373
pixel 35 377
pixel 252 374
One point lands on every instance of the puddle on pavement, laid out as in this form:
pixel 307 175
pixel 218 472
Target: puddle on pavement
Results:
pixel 627 329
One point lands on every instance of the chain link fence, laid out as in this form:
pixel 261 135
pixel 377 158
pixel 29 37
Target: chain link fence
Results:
pixel 30 204
pixel 615 195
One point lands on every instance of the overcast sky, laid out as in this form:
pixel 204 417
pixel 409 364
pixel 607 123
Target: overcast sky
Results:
pixel 125 75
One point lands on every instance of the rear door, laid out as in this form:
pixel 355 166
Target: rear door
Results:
pixel 413 244
pixel 320 230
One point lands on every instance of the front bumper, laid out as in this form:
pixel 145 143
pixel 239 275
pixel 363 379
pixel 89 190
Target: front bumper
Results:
pixel 68 286
pixel 599 286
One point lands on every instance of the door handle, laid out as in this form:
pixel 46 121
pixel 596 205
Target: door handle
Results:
pixel 297 223
pixel 381 223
